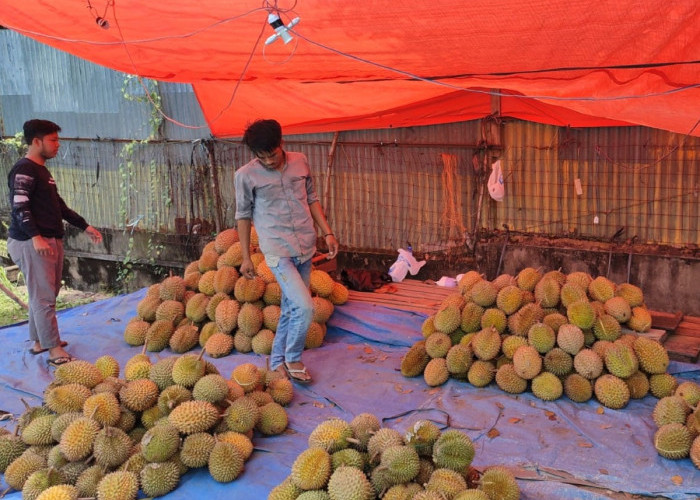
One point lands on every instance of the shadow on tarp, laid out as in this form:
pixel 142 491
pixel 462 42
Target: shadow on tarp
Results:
pixel 356 371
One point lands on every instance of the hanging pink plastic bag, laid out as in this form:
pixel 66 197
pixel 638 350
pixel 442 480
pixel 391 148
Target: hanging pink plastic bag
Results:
pixel 495 183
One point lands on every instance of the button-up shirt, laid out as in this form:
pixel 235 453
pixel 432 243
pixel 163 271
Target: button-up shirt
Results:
pixel 277 201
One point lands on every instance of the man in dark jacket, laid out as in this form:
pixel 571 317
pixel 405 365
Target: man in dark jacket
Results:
pixel 35 241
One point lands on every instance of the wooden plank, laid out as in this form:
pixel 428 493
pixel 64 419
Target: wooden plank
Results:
pixel 664 320
pixel 653 334
pixel 682 348
pixel 688 329
pixel 692 319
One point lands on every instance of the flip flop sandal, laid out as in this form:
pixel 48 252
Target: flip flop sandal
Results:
pixel 61 360
pixel 295 372
pixel 35 352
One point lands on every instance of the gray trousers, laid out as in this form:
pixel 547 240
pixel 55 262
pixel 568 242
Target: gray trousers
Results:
pixel 42 274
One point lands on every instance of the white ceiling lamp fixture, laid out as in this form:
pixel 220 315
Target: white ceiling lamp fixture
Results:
pixel 281 30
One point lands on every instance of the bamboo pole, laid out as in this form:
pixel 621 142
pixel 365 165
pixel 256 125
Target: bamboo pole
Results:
pixel 14 297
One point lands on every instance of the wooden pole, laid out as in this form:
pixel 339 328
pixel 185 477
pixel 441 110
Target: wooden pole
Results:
pixel 14 297
pixel 331 158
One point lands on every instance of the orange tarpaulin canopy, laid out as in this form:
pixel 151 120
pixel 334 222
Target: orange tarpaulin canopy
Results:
pixel 380 63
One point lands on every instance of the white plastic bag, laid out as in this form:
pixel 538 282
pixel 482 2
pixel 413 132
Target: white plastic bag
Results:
pixel 404 264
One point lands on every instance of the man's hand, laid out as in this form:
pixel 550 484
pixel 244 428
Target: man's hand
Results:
pixel 94 234
pixel 332 246
pixel 41 246
pixel 247 269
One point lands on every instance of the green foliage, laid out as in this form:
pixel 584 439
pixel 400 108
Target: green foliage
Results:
pixel 14 145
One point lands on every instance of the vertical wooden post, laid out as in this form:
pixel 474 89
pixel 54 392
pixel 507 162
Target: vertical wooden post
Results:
pixel 215 188
pixel 331 158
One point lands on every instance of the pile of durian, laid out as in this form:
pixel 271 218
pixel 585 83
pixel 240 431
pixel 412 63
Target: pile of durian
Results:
pixel 213 306
pixel 678 420
pixel 97 435
pixel 361 460
pixel 551 333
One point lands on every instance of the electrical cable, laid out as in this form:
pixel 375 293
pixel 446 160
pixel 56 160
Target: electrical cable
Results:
pixel 486 92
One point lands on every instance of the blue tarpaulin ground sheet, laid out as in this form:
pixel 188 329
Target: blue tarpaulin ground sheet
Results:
pixel 558 449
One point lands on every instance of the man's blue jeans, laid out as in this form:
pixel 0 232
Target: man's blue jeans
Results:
pixel 297 310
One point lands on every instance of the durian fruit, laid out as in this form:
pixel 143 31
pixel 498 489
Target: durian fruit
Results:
pixel 581 314
pixel 40 481
pixel 601 289
pixel 541 337
pixel 632 294
pixel 219 344
pixel 161 372
pixel 286 490
pixel 670 409
pixel 102 407
pixel 196 449
pixel 415 360
pixel 139 395
pixel 547 292
pixel 59 492
pixel 527 362
pixel 638 384
pixel 448 319
pixel 653 358
pixel 695 452
pixel 572 292
pixel 248 376
pixel 547 386
pixel 605 327
pixel 312 469
pixel 399 463
pixel 108 366
pixel 673 441
pixel 250 319
pixel 19 470
pixel 190 417
pixel 242 415
pixel 160 443
pixel 157 479
pixel 640 321
pixel 184 338
pixel 558 362
pixel 509 381
pixel 511 343
pixel 188 369
pixel 527 278
pixel 78 372
pixel 11 447
pixel 331 435
pixel 135 331
pixel 459 359
pixel 470 318
pixel 662 384
pixel 447 482
pixel 618 308
pixel 422 436
pixel 38 431
pixel 486 344
pixel 349 483
pixel 498 483
pixel 471 494
pixel 88 481
pixel 481 373
pixel 339 295
pixel 611 391
pixel 320 283
pixel 112 447
pixel 172 288
pixel 453 450
pixel 438 344
pixel 484 293
pixel 578 388
pixel 146 308
pixel 363 428
pixel 225 462
pixel 690 392
pixel 212 388
pixel 170 310
pixel 262 342
pixel 382 439
pixel 620 360
pixel 78 438
pixel 273 419
pixel 588 364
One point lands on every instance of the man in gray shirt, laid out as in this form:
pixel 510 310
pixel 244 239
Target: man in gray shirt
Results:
pixel 275 192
